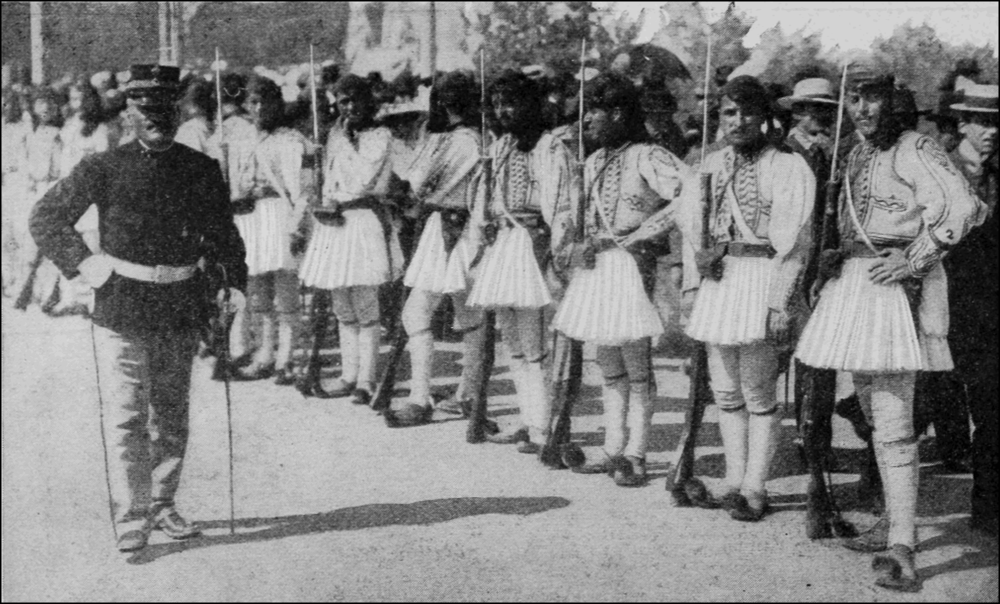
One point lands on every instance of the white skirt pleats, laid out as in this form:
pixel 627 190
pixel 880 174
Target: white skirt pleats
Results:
pixel 458 276
pixel 861 326
pixel 509 276
pixel 429 264
pixel 349 255
pixel 608 305
pixel 733 310
pixel 265 236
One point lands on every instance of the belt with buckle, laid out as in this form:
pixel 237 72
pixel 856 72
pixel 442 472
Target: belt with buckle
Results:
pixel 159 274
pixel 749 250
pixel 858 249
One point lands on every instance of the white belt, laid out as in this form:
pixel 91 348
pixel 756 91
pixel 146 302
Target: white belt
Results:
pixel 152 274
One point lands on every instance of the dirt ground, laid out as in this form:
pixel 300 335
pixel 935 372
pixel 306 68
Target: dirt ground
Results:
pixel 332 505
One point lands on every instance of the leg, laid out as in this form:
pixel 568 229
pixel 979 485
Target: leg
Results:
pixel 639 410
pixel 531 332
pixel 615 395
pixel 471 323
pixel 365 302
pixel 724 375
pixel 286 298
pixel 170 357
pixel 417 313
pixel 896 445
pixel 349 335
pixel 123 374
pixel 507 323
pixel 758 379
pixel 945 396
pixel 261 305
pixel 980 378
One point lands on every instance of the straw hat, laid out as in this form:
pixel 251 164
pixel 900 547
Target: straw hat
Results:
pixel 810 90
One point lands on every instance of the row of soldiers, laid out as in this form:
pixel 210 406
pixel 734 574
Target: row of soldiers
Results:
pixel 512 228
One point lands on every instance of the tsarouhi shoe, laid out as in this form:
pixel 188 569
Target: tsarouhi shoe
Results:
pixel 508 438
pixel 133 540
pixel 751 507
pixel 174 525
pixel 897 570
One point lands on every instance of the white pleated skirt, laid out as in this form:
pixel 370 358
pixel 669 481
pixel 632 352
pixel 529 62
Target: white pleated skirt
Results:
pixel 265 236
pixel 458 277
pixel 733 310
pixel 861 326
pixel 429 265
pixel 349 255
pixel 509 276
pixel 608 304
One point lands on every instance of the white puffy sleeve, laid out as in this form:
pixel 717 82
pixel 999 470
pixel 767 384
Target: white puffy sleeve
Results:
pixel 793 196
pixel 948 205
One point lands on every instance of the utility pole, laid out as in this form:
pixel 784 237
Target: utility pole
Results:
pixel 175 32
pixel 37 45
pixel 433 44
pixel 164 20
pixel 170 33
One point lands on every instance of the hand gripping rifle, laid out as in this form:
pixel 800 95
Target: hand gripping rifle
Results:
pixel 479 425
pixel 319 310
pixel 815 389
pixel 567 354
pixel 684 487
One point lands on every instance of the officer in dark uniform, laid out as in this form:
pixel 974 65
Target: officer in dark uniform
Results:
pixel 164 209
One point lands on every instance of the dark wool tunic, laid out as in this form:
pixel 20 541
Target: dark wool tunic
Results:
pixel 168 208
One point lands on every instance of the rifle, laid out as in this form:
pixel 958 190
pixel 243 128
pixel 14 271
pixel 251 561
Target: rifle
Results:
pixel 223 151
pixel 479 425
pixel 319 309
pixel 815 389
pixel 23 299
pixel 686 489
pixel 567 355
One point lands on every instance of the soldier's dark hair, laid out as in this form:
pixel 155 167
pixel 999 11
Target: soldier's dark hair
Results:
pixel 270 93
pixel 516 87
pixel 201 95
pixel 355 87
pixel 457 92
pixel 748 92
pixel 91 110
pixel 904 108
pixel 610 91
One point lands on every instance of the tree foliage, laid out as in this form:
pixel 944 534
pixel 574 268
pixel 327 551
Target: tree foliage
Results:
pixel 549 33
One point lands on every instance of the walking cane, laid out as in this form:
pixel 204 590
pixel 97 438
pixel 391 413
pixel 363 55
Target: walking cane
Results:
pixel 225 317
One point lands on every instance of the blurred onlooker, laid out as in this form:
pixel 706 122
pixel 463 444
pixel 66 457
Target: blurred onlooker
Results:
pixel 197 108
pixel 42 158
pixel 15 134
pixel 973 275
pixel 83 134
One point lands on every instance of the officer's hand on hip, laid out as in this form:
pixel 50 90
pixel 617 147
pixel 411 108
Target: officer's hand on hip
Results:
pixel 96 270
pixel 890 267
pixel 235 303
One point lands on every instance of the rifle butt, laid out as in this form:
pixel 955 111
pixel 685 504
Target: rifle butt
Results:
pixel 479 425
pixel 566 379
pixel 699 394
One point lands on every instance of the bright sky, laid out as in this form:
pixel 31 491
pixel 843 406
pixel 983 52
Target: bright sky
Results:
pixel 852 24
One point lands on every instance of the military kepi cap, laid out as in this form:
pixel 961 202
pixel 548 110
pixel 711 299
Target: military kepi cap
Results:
pixel 866 74
pixel 153 84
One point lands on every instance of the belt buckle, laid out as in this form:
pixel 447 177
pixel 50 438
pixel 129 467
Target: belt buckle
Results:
pixel 160 274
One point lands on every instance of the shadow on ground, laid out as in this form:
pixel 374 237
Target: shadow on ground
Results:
pixel 433 511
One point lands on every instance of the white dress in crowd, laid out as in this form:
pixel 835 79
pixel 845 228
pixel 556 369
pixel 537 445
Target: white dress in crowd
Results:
pixel 270 171
pixel 774 194
pixel 910 197
pixel 359 252
pixel 15 164
pixel 195 133
pixel 626 188
pixel 540 181
pixel 441 176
